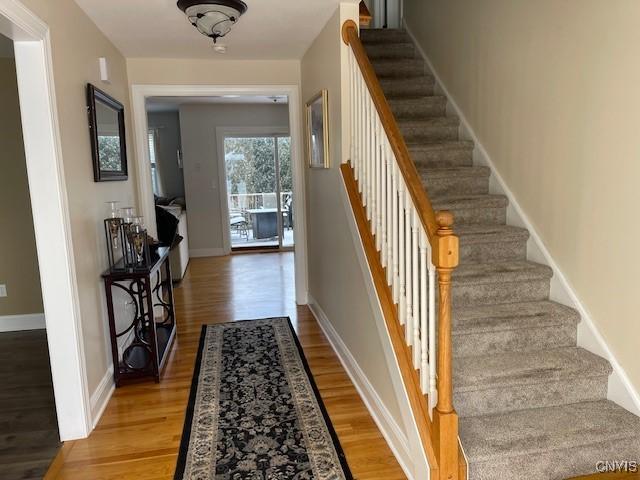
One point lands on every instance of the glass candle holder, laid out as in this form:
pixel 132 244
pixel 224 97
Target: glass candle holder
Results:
pixel 112 209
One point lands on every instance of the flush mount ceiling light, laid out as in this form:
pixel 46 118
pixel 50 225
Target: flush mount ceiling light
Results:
pixel 213 18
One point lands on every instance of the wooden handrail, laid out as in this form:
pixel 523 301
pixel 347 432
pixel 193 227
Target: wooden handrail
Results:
pixel 441 444
pixel 396 140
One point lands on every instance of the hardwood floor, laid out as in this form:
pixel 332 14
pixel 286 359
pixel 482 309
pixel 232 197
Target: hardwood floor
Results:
pixel 139 433
pixel 28 426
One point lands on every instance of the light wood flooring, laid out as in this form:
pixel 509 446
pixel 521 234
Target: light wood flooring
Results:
pixel 139 433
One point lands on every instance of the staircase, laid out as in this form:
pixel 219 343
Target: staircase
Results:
pixel 531 403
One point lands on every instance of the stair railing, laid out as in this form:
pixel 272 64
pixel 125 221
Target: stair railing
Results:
pixel 414 246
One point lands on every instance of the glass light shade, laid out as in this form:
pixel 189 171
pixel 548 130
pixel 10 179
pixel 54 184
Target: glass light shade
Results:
pixel 214 19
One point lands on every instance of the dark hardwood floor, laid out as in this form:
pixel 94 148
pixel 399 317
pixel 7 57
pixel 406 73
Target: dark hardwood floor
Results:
pixel 28 426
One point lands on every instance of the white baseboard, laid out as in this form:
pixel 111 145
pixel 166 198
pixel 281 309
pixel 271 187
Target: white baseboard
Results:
pixel 207 252
pixel 620 388
pixel 101 396
pixel 17 323
pixel 390 430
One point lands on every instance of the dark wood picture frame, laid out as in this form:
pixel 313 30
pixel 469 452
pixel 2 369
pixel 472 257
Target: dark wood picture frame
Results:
pixel 94 94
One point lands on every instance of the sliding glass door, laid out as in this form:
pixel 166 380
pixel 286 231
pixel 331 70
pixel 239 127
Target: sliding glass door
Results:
pixel 259 191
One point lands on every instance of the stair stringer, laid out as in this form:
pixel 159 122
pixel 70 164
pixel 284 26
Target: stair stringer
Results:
pixel 620 389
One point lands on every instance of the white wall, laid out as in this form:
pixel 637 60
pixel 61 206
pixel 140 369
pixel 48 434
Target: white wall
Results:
pixel 168 142
pixel 185 71
pixel 551 90
pixel 198 125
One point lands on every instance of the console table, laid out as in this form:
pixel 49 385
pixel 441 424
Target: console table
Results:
pixel 142 322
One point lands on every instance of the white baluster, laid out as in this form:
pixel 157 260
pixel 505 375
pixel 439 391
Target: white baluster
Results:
pixel 367 153
pixel 415 249
pixel 375 174
pixel 408 265
pixel 401 247
pixel 433 390
pixel 352 110
pixel 378 184
pixel 363 150
pixel 358 169
pixel 383 201
pixel 424 321
pixel 390 194
pixel 395 238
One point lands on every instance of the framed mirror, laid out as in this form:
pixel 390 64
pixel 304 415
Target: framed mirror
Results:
pixel 106 128
pixel 318 130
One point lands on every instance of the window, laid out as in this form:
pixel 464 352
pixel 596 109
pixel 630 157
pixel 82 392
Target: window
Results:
pixel 155 175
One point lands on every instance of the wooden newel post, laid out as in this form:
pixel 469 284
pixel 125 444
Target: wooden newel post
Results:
pixel 445 418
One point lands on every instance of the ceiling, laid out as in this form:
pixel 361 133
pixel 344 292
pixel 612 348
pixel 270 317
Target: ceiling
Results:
pixel 271 29
pixel 171 104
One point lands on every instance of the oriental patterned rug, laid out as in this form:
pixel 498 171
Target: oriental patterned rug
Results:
pixel 254 411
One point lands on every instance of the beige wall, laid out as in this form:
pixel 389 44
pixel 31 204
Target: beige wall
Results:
pixel 198 125
pixel 18 262
pixel 76 46
pixel 551 90
pixel 336 280
pixel 158 71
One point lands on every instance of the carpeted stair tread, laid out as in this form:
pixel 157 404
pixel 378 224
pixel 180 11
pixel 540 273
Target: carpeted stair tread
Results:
pixel 447 172
pixel 500 272
pixel 448 180
pixel 429 129
pixel 398 67
pixel 513 327
pixel 441 146
pixel 418 107
pixel 512 316
pixel 523 368
pixel 533 431
pixel 473 208
pixel 407 87
pixel 469 201
pixel 377 51
pixel 448 153
pixel 489 233
pixel 384 35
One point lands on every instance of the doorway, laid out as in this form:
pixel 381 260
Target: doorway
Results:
pixel 41 137
pixel 259 189
pixel 210 182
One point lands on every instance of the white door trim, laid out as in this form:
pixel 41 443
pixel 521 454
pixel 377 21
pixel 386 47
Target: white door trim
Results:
pixel 139 94
pixel 50 215
pixel 221 133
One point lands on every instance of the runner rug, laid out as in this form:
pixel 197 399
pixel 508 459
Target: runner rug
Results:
pixel 254 411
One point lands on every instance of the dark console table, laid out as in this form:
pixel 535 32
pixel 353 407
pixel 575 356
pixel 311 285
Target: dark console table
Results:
pixel 142 320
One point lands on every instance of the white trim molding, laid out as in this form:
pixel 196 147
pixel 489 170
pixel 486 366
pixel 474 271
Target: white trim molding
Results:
pixel 43 151
pixel 101 396
pixel 620 388
pixel 391 431
pixel 139 94
pixel 16 323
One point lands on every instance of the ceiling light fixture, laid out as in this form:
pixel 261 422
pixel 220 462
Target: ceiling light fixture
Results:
pixel 213 18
